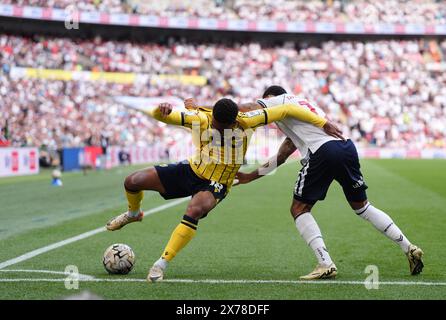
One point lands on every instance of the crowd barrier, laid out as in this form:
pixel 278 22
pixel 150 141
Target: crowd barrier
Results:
pixel 25 161
pixel 400 153
pixel 18 161
pixel 93 157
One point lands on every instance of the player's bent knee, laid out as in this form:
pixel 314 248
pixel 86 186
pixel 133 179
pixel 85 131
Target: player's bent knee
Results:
pixel 136 180
pixel 196 212
pixel 356 205
pixel 296 214
pixel 298 208
pixel 201 204
pixel 142 180
pixel 130 183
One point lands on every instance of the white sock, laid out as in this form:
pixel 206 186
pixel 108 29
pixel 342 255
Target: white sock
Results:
pixel 133 214
pixel 309 230
pixel 162 263
pixel 385 224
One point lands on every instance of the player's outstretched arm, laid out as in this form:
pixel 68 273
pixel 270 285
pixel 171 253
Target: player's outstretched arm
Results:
pixel 306 115
pixel 264 116
pixel 282 111
pixel 191 104
pixel 164 112
pixel 285 151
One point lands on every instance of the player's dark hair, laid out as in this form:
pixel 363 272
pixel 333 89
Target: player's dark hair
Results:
pixel 225 111
pixel 273 91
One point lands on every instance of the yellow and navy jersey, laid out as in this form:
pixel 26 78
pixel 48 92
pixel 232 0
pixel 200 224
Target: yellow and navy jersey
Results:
pixel 219 156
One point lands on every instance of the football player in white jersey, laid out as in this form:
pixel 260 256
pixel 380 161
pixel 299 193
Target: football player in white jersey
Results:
pixel 325 158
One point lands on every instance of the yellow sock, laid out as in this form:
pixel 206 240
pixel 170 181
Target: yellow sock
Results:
pixel 134 199
pixel 180 237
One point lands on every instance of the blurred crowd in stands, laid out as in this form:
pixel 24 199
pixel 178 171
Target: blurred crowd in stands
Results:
pixel 57 114
pixel 383 92
pixel 386 93
pixel 362 11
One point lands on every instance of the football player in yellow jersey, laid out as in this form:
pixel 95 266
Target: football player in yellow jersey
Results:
pixel 221 136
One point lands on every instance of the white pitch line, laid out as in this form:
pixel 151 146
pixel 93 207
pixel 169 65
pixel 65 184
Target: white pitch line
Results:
pixel 82 236
pixel 341 282
pixel 81 276
pixel 217 281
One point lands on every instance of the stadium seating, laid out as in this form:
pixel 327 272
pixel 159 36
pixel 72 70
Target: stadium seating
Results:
pixel 363 11
pixel 386 93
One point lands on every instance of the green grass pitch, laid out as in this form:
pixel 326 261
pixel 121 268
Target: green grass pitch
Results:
pixel 249 236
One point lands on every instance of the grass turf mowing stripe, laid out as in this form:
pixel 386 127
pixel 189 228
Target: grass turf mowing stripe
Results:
pixel 81 236
pixel 235 281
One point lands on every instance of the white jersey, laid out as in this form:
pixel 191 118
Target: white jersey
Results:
pixel 304 135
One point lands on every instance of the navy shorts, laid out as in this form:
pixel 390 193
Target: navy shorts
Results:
pixel 334 160
pixel 180 181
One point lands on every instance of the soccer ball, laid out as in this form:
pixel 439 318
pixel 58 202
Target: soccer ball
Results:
pixel 118 259
pixel 56 174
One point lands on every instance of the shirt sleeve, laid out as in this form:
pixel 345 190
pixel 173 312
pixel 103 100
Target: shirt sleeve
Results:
pixel 261 117
pixel 253 119
pixel 283 111
pixel 280 112
pixel 178 118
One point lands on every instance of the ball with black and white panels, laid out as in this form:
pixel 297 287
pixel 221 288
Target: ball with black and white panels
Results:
pixel 119 258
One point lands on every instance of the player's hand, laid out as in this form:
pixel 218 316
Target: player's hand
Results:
pixel 331 129
pixel 165 109
pixel 190 104
pixel 242 178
